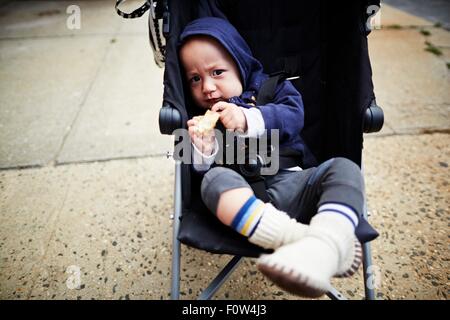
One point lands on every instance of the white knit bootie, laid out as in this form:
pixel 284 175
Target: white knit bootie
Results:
pixel 276 229
pixel 305 267
pixel 350 264
pixel 350 252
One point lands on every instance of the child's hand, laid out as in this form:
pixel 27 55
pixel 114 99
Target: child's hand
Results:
pixel 231 116
pixel 203 141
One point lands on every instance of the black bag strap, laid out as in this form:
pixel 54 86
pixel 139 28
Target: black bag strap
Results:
pixel 158 11
pixel 136 13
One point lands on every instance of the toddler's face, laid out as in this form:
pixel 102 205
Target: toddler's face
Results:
pixel 211 72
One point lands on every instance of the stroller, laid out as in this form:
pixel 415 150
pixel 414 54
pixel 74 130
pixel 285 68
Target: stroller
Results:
pixel 322 47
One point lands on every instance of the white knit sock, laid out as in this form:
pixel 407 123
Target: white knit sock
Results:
pixel 340 210
pixel 276 228
pixel 305 267
pixel 337 223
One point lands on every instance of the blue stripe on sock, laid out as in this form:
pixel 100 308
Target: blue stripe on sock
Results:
pixel 358 215
pixel 254 228
pixel 247 215
pixel 242 212
pixel 337 211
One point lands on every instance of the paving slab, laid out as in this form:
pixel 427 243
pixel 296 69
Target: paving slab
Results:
pixel 438 37
pixel 30 203
pixel 119 233
pixel 50 18
pixel 44 83
pixel 120 115
pixel 446 55
pixel 392 17
pixel 407 179
pixel 116 234
pixel 436 11
pixel 411 84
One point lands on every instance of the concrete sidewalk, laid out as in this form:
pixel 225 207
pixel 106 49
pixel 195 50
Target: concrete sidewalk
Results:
pixel 85 186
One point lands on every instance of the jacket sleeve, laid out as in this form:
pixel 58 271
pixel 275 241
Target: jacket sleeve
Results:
pixel 285 113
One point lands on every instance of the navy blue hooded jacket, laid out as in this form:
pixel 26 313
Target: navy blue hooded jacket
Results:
pixel 285 112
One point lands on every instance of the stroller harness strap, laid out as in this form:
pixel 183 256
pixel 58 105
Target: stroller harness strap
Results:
pixel 287 158
pixel 267 91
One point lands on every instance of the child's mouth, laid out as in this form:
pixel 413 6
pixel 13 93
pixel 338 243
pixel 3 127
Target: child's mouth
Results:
pixel 211 102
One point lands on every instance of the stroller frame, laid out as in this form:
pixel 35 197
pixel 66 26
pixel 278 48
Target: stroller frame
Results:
pixel 171 117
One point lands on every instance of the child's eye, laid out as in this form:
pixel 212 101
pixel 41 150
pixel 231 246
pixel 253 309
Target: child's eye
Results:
pixel 218 72
pixel 194 79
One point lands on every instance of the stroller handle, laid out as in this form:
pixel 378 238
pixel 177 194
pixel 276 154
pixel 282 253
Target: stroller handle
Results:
pixel 373 118
pixel 169 119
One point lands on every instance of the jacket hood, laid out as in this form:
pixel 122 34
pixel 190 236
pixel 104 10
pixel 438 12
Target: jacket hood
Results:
pixel 250 69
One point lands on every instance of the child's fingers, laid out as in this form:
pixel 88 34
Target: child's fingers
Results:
pixel 192 132
pixel 209 138
pixel 228 121
pixel 204 144
pixel 216 107
pixel 192 122
pixel 224 119
pixel 224 111
pixel 219 106
pixel 209 133
pixel 198 142
pixel 225 116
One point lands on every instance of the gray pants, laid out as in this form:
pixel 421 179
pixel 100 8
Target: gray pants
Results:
pixel 299 193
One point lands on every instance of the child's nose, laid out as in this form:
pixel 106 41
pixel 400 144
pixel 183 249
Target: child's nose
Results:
pixel 208 86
